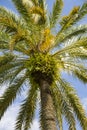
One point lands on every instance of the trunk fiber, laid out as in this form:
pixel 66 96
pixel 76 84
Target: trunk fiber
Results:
pixel 48 120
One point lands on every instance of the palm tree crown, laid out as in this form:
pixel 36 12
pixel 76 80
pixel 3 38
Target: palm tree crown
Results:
pixel 33 53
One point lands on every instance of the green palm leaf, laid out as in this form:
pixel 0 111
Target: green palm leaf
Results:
pixel 75 15
pixel 57 8
pixel 27 110
pixel 70 33
pixel 65 107
pixel 32 54
pixel 22 9
pixel 10 94
pixel 75 103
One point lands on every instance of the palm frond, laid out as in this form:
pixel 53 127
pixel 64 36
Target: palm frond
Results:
pixel 81 74
pixel 27 110
pixel 79 43
pixel 9 42
pixel 70 33
pixel 8 19
pixel 74 16
pixel 69 115
pixel 56 96
pixel 57 8
pixel 22 8
pixel 79 53
pixel 67 110
pixel 4 41
pixel 38 15
pixel 10 76
pixel 77 69
pixel 29 10
pixel 10 94
pixel 43 5
pixel 4 36
pixel 37 10
pixel 82 12
pixel 10 66
pixel 6 65
pixel 69 20
pixel 22 49
pixel 13 24
pixel 75 103
pixel 27 43
pixel 4 59
pixel 15 39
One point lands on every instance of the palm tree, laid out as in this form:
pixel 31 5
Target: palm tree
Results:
pixel 32 52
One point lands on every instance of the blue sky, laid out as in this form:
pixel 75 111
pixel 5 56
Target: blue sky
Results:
pixel 7 122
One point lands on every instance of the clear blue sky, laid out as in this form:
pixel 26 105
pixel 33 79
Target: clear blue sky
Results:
pixel 81 88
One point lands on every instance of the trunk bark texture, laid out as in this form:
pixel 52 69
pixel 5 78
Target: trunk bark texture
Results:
pixel 48 119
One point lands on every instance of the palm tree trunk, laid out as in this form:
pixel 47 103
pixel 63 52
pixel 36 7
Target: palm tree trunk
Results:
pixel 48 120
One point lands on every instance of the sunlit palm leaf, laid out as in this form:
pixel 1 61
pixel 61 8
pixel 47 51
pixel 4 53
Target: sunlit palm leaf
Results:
pixel 30 52
pixel 10 94
pixel 27 110
pixel 21 7
pixel 75 15
pixel 66 107
pixel 70 33
pixel 75 103
pixel 57 8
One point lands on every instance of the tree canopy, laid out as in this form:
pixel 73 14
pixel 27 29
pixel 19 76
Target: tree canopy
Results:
pixel 33 52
